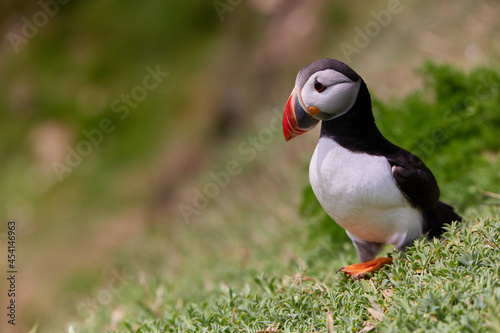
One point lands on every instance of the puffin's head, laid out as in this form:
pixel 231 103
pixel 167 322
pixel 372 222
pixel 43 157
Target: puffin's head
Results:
pixel 324 89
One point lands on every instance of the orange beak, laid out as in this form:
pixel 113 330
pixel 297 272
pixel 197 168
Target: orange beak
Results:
pixel 296 121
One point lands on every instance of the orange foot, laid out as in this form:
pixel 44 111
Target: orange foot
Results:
pixel 359 270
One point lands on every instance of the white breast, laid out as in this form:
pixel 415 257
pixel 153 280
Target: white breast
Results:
pixel 357 190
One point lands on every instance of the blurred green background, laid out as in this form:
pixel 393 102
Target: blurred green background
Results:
pixel 102 163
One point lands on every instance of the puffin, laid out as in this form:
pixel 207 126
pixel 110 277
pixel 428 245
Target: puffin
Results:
pixel 378 192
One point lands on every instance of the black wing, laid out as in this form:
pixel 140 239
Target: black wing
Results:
pixel 420 187
pixel 415 180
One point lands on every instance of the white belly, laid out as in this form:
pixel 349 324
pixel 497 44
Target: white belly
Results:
pixel 357 190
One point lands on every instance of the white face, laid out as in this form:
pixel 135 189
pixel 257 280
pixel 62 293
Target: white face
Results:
pixel 337 96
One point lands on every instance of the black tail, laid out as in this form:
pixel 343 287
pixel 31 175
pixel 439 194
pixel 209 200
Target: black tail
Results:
pixel 443 213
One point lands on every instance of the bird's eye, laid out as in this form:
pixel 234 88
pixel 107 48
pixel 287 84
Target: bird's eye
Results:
pixel 319 86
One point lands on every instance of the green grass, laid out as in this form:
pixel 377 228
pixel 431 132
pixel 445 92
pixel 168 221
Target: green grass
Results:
pixel 448 285
pixel 443 285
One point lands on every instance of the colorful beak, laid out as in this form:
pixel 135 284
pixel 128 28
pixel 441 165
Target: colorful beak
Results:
pixel 296 120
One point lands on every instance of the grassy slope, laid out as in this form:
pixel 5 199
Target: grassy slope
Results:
pixel 448 285
pixel 440 286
